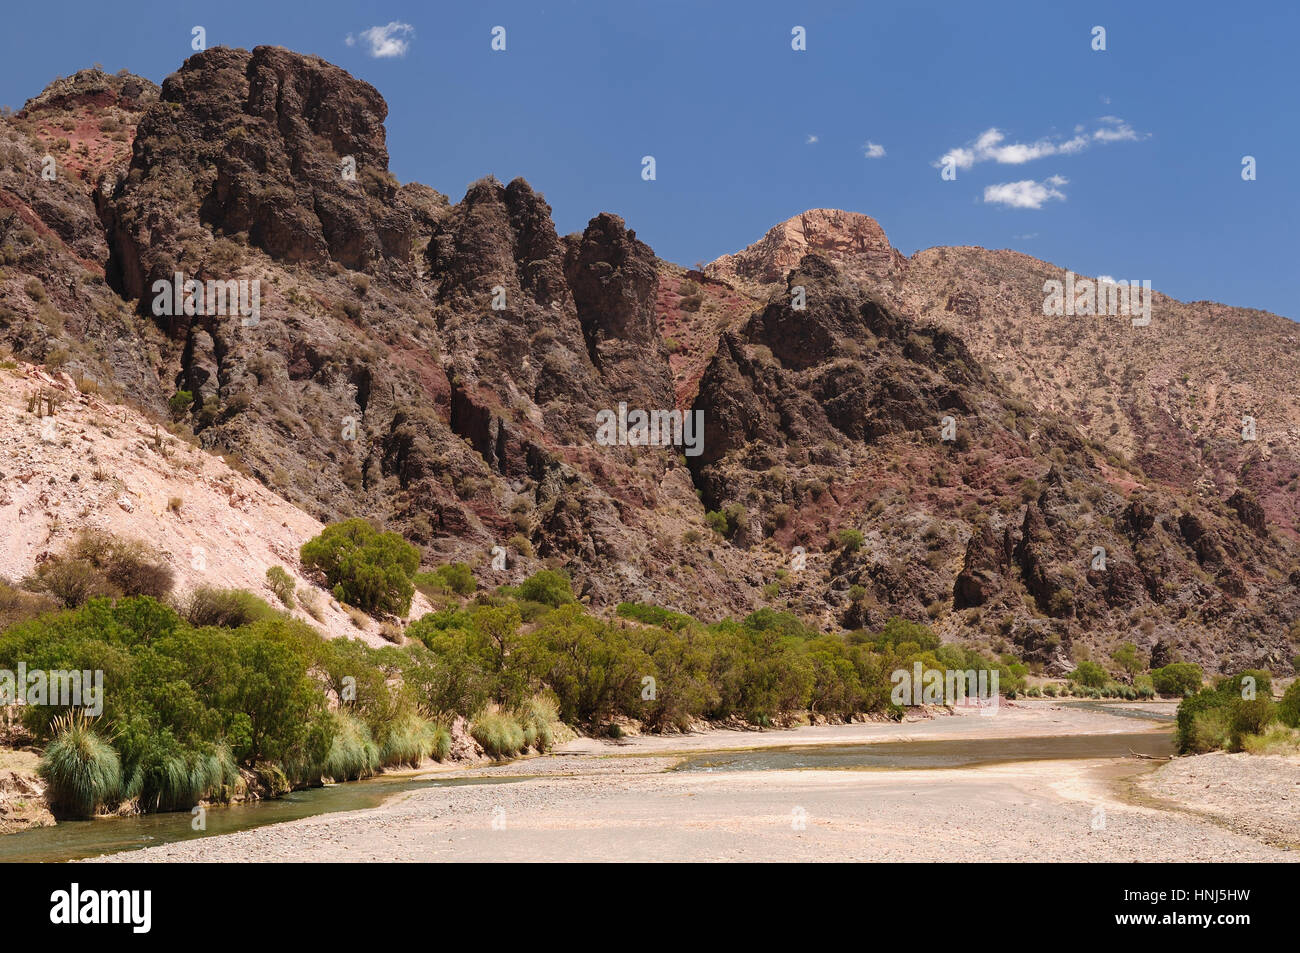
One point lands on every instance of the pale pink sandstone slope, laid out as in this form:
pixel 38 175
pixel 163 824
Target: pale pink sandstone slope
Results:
pixel 101 466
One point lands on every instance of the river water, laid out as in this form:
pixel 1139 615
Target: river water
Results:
pixel 73 840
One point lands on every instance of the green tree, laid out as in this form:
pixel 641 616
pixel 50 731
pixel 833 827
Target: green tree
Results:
pixel 1127 658
pixel 1177 678
pixel 548 587
pixel 364 567
pixel 1089 674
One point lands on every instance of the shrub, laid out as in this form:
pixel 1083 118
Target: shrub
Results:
pixel 1089 674
pixel 169 777
pixel 1275 739
pixel 180 403
pixel 281 584
pixel 411 739
pixel 1288 709
pixel 69 582
pixel 352 754
pixel 453 577
pixel 97 563
pixel 1177 678
pixel 1262 683
pixel 547 587
pixel 500 735
pixel 19 606
pixel 537 716
pixel 225 608
pixel 849 540
pixel 310 603
pixel 81 771
pixel 653 615
pixel 1127 658
pixel 1209 730
pixel 1250 717
pixel 727 521
pixel 364 567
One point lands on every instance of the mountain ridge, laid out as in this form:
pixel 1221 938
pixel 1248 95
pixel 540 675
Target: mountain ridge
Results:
pixel 473 424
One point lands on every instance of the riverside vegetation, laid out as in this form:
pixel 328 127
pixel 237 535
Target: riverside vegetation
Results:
pixel 218 694
pixel 215 694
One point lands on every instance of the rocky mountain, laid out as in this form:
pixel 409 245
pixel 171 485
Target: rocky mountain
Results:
pixel 910 440
pixel 1171 396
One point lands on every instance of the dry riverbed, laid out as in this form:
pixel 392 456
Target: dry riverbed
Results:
pixel 608 801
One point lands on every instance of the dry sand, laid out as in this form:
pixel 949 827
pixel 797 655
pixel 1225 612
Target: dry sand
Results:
pixel 605 801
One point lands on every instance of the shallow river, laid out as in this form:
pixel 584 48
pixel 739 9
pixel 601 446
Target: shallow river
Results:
pixel 71 840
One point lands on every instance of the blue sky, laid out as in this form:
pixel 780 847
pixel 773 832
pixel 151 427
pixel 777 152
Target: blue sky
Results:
pixel 1139 147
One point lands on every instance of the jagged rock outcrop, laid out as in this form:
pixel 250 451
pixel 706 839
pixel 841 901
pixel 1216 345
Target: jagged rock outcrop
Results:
pixel 286 149
pixel 855 242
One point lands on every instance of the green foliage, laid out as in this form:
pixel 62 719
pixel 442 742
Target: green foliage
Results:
pixel 849 540
pixel 227 608
pixel 653 615
pixel 1220 718
pixel 1089 674
pixel 728 520
pixel 364 567
pixel 81 771
pixel 1260 684
pixel 180 403
pixel 537 716
pixel 547 587
pixel 412 739
pixel 453 577
pixel 593 668
pixel 500 734
pixel 1127 658
pixel 353 753
pixel 281 584
pixel 1177 678
pixel 1251 717
pixel 175 695
pixel 1288 709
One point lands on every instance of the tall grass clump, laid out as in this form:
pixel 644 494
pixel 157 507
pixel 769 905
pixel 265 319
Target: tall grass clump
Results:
pixel 81 770
pixel 410 740
pixel 537 716
pixel 169 777
pixel 353 754
pixel 500 735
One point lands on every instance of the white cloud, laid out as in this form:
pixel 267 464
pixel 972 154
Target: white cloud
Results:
pixel 350 40
pixel 991 145
pixel 385 42
pixel 1105 280
pixel 1115 130
pixel 1024 194
pixel 811 140
pixel 873 150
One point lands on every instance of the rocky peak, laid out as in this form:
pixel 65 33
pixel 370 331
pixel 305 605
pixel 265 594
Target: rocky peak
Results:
pixel 854 242
pixel 256 143
pixel 93 86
